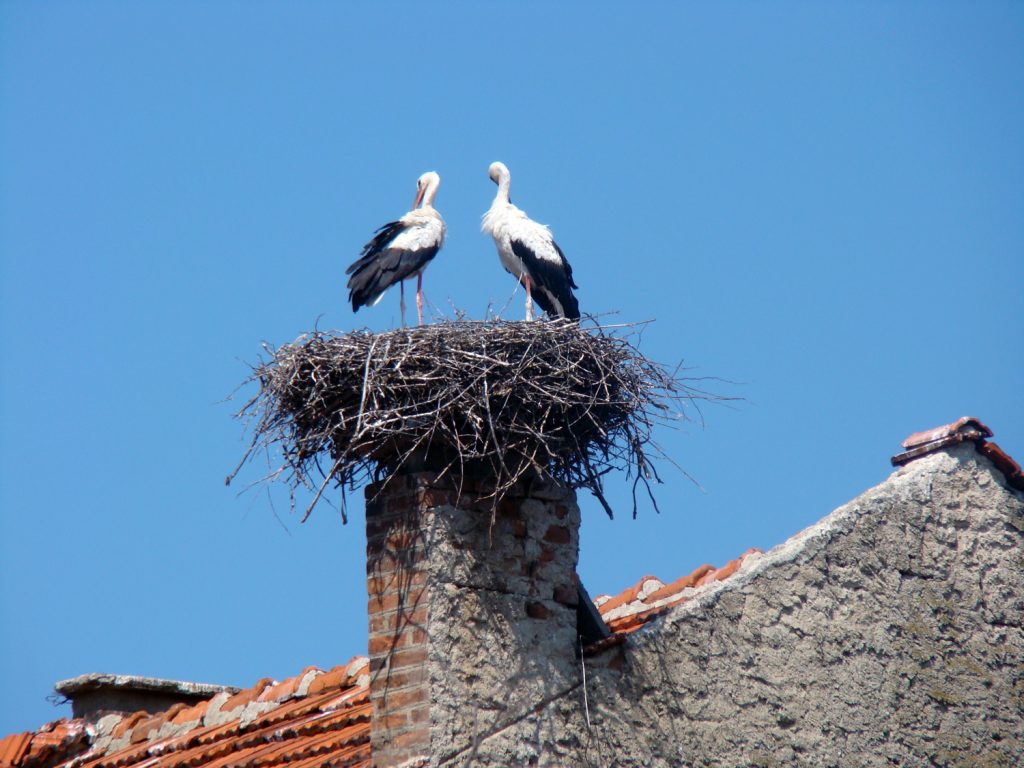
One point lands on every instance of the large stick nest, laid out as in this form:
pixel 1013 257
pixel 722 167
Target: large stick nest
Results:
pixel 502 399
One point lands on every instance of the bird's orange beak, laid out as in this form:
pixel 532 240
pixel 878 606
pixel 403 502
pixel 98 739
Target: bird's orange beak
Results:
pixel 419 197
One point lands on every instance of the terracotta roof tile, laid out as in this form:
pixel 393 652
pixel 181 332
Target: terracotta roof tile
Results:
pixel 650 583
pixel 963 425
pixel 690 580
pixel 13 748
pixel 1004 464
pixel 146 727
pixel 964 428
pixel 129 722
pixel 632 608
pixel 328 681
pixel 318 719
pixel 189 714
pixel 315 719
pixel 327 727
pixel 248 696
pixel 284 689
pixel 931 440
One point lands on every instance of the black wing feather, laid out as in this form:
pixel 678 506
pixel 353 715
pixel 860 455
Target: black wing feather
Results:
pixel 553 279
pixel 379 267
pixel 381 238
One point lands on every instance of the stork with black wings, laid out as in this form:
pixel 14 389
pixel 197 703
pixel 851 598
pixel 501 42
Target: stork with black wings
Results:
pixel 529 253
pixel 398 251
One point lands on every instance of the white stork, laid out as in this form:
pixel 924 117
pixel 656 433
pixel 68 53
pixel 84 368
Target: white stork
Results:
pixel 529 253
pixel 399 250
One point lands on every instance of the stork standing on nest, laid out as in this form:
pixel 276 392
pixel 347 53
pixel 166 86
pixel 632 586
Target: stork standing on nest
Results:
pixel 399 250
pixel 529 253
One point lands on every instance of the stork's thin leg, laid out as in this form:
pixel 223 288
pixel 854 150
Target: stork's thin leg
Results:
pixel 401 299
pixel 419 296
pixel 529 297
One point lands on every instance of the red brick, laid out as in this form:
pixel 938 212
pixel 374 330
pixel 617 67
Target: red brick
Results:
pixel 399 500
pixel 561 511
pixel 537 610
pixel 519 529
pixel 566 595
pixel 401 602
pixel 407 633
pixel 394 580
pixel 419 715
pixel 410 657
pixel 385 622
pixel 388 641
pixel 406 677
pixel 392 720
pixel 384 562
pixel 401 542
pixel 405 699
pixel 507 507
pixel 420 737
pixel 558 534
pixel 546 555
pixel 436 497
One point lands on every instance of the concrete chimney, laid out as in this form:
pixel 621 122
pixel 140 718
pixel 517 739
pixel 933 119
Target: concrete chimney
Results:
pixel 94 695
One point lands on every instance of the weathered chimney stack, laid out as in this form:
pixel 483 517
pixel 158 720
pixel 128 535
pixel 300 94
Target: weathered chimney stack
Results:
pixel 94 695
pixel 472 613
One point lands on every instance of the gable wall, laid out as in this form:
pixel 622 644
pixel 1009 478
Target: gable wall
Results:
pixel 890 633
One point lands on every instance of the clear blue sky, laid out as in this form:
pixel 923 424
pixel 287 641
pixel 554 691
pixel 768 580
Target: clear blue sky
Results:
pixel 824 202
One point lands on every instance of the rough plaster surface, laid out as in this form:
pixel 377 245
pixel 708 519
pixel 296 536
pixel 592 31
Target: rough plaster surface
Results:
pixel 890 633
pixel 492 664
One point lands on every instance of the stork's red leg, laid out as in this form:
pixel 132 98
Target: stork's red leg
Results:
pixel 401 299
pixel 419 296
pixel 529 297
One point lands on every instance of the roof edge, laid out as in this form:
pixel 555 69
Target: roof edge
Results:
pixel 98 680
pixel 964 429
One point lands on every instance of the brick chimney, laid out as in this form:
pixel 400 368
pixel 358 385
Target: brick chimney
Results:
pixel 472 614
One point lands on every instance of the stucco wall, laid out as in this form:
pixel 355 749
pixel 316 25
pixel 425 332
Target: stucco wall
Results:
pixel 890 633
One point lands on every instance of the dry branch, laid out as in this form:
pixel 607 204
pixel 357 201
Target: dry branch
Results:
pixel 503 399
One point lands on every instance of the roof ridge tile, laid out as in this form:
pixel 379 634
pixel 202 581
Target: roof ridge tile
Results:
pixel 627 595
pixel 689 580
pixel 306 678
pixel 248 695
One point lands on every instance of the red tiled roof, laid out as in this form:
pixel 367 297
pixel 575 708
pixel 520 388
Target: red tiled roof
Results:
pixel 311 720
pixel 650 597
pixel 315 719
pixel 319 719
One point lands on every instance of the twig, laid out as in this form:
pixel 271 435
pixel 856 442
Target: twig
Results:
pixel 573 401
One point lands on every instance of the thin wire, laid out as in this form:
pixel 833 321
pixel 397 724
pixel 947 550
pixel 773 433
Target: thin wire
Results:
pixel 583 666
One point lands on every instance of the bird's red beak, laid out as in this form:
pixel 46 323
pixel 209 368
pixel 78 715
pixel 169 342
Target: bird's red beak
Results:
pixel 419 197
